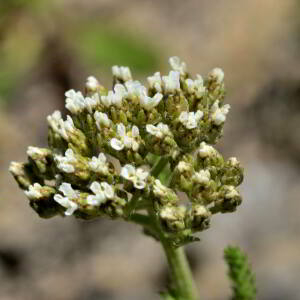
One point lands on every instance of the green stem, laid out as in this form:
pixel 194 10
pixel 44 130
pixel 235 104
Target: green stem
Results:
pixel 181 274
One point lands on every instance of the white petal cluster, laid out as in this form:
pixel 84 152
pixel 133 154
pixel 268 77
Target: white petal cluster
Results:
pixel 202 177
pixel 61 127
pixel 122 73
pixel 34 191
pixel 149 103
pixel 218 115
pixel 134 88
pixel 190 119
pixel 196 86
pixel 126 139
pixel 206 150
pixel 171 82
pixel 66 201
pixel 76 102
pixel 159 189
pixel 160 131
pixel 233 161
pixel 102 191
pixel 217 74
pixel 201 211
pixel 230 192
pixel 16 168
pixel 177 65
pixel 65 163
pixel 136 176
pixel 101 119
pixel 32 151
pixel 184 166
pixel 155 82
pixel 99 164
pixel 114 97
pixel 92 83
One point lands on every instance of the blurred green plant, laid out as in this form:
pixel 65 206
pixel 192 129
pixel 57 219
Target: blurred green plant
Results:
pixel 243 280
pixel 103 45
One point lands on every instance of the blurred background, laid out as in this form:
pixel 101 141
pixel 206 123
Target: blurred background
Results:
pixel 48 47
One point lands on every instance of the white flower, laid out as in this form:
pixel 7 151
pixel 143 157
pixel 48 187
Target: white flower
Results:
pixel 206 150
pixel 202 177
pixel 102 191
pixel 92 83
pixel 34 191
pixel 65 163
pixel 160 131
pixel 136 176
pixel 122 73
pixel 177 65
pixel 184 166
pixel 196 86
pixel 126 139
pixel 101 119
pixel 92 102
pixel 155 82
pixel 134 88
pixel 114 97
pixel 218 115
pixel 201 211
pixel 54 120
pixel 16 168
pixel 217 74
pixel 66 201
pixel 230 192
pixel 74 101
pixel 149 103
pixel 60 126
pixel 233 161
pixel 190 120
pixel 98 164
pixel 159 189
pixel 33 151
pixel 171 82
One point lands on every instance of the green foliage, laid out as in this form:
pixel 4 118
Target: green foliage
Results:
pixel 243 280
pixel 106 46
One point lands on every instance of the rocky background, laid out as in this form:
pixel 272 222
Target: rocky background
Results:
pixel 47 47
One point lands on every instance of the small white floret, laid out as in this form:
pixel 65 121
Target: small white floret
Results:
pixel 183 166
pixel 114 97
pixel 65 163
pixel 217 74
pixel 177 65
pixel 171 82
pixel 102 191
pixel 92 83
pixel 34 191
pixel 136 176
pixel 66 201
pixel 98 164
pixel 206 150
pixel 202 177
pixel 190 120
pixel 101 119
pixel 218 115
pixel 196 86
pixel 155 82
pixel 135 88
pixel 122 73
pixel 126 139
pixel 161 130
pixel 149 103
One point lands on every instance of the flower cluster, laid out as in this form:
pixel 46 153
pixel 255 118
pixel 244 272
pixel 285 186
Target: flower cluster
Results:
pixel 135 149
